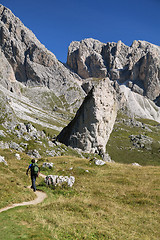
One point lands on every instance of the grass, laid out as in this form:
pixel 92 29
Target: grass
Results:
pixel 14 183
pixel 50 102
pixel 114 201
pixel 121 149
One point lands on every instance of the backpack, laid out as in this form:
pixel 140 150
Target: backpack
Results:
pixel 35 169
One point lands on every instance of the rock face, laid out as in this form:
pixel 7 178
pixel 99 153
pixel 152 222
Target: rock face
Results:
pixel 93 123
pixel 85 58
pixel 28 61
pixel 42 90
pixel 7 77
pixel 140 105
pixel 138 65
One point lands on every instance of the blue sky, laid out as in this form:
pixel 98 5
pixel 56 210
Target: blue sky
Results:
pixel 56 23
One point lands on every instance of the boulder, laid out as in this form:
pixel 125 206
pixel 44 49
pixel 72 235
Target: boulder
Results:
pixel 56 180
pixel 98 162
pixel 47 165
pixel 51 153
pixel 2 160
pixel 17 155
pixel 136 164
pixel 15 146
pixel 93 123
pixel 34 153
pixel 2 133
pixel 4 145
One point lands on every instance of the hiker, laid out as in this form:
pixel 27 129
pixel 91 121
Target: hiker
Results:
pixel 33 167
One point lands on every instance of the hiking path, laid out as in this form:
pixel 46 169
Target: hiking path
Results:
pixel 40 198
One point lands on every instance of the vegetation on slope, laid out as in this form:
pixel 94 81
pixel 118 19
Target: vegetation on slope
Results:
pixel 114 201
pixel 121 148
pixel 14 183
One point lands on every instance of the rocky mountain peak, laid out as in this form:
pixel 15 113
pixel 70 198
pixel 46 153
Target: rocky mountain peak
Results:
pixel 114 75
pixel 30 63
pixel 20 46
pixel 138 63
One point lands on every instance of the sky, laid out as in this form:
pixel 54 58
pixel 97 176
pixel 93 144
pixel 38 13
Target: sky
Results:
pixel 56 23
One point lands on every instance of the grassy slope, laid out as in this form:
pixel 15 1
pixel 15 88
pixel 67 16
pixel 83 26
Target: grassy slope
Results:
pixel 13 181
pixel 114 201
pixel 122 150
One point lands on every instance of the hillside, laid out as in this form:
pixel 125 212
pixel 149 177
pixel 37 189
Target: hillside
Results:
pixel 34 76
pixel 40 90
pixel 114 201
pixel 96 118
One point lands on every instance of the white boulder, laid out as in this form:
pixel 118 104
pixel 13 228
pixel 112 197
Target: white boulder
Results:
pixel 47 165
pixel 3 160
pixel 136 164
pixel 56 180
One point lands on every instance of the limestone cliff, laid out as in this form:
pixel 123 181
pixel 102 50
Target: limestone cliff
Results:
pixel 30 63
pixel 42 90
pixel 93 123
pixel 138 65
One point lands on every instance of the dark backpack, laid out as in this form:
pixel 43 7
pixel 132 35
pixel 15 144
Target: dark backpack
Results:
pixel 35 169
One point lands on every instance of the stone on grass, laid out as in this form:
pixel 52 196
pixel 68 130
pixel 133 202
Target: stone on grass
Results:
pixel 3 160
pixel 98 162
pixel 4 145
pixel 34 153
pixel 51 153
pixel 51 144
pixel 136 164
pixel 56 180
pixel 2 133
pixel 15 146
pixel 47 165
pixel 17 155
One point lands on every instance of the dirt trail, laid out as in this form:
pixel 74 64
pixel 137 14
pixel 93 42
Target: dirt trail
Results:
pixel 40 197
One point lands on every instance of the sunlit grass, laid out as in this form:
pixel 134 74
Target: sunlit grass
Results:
pixel 114 201
pixel 121 149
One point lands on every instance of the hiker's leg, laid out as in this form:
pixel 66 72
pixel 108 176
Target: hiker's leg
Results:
pixel 34 182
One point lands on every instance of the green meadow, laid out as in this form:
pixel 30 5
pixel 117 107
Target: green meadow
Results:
pixel 115 201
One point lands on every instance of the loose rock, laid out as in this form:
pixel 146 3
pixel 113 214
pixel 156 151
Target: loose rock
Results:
pixel 2 160
pixel 47 165
pixel 17 155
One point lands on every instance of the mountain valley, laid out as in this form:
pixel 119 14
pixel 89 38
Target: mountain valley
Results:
pixel 102 106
